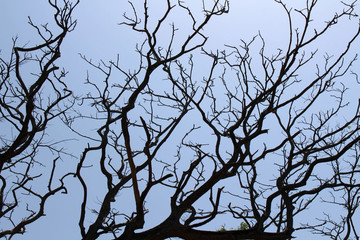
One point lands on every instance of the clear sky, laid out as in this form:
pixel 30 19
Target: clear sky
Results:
pixel 98 36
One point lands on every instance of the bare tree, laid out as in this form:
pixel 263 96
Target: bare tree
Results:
pixel 267 152
pixel 238 133
pixel 33 94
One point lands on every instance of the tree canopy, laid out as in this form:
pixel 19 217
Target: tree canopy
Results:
pixel 184 133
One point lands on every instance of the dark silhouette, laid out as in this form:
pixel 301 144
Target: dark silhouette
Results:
pixel 254 136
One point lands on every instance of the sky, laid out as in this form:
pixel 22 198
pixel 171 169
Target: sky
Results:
pixel 99 36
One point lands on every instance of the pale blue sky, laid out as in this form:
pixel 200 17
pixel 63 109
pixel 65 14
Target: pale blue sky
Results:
pixel 98 36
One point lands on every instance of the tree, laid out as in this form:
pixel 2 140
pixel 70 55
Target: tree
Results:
pixel 249 137
pixel 33 95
